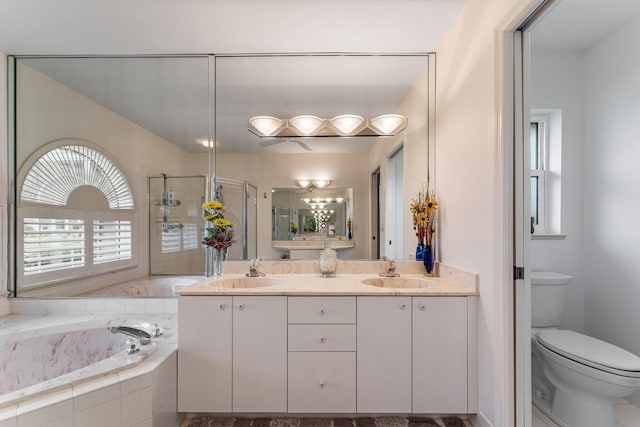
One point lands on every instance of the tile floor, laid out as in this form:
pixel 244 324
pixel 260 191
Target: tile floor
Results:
pixel 627 415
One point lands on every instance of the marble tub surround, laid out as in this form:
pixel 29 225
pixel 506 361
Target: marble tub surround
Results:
pixel 41 355
pixel 150 286
pixel 304 278
pixel 5 305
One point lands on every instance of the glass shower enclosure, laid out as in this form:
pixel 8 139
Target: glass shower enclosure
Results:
pixel 176 226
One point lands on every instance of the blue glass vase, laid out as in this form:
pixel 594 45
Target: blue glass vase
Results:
pixel 419 252
pixel 428 258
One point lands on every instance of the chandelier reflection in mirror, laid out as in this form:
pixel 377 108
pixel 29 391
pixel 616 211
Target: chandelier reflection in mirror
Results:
pixel 345 125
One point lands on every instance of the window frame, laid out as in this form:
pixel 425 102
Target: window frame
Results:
pixel 542 121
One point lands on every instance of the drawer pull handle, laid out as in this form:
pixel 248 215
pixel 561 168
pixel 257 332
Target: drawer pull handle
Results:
pixel 403 306
pixel 322 311
pixel 422 306
pixel 322 339
pixel 240 306
pixel 322 384
pixel 221 306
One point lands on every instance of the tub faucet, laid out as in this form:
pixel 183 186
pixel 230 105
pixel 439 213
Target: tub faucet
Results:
pixel 391 269
pixel 254 271
pixel 141 335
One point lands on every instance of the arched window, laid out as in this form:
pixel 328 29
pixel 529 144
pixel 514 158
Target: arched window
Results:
pixel 57 173
pixel 76 216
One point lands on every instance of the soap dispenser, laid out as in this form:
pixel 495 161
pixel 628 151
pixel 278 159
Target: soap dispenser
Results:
pixel 328 260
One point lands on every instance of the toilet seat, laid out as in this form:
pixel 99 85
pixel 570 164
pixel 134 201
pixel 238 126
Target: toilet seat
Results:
pixel 591 352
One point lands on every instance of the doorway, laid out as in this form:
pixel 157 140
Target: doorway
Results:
pixel 394 206
pixel 375 214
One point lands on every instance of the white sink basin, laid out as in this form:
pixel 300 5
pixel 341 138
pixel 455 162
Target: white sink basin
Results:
pixel 399 282
pixel 243 282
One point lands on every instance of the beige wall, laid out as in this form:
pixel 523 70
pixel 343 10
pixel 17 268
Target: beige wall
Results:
pixel 467 161
pixel 415 148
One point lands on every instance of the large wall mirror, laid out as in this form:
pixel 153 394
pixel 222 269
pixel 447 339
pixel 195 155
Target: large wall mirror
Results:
pixel 383 173
pixel 114 156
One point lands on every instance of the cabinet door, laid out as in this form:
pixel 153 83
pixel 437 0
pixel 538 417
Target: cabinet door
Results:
pixel 384 355
pixel 204 354
pixel 440 355
pixel 259 354
pixel 322 382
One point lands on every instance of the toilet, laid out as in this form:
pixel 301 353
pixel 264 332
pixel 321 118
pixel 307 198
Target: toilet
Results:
pixel 575 378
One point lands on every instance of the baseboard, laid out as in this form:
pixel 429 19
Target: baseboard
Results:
pixel 480 420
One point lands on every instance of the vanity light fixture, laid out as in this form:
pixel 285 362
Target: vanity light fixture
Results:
pixel 266 126
pixel 345 125
pixel 306 125
pixel 316 183
pixel 388 124
pixel 339 199
pixel 306 200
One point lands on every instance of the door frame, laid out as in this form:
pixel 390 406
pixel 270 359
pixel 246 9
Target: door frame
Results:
pixel 512 295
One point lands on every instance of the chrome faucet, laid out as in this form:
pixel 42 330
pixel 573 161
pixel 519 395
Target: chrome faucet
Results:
pixel 140 334
pixel 254 264
pixel 391 269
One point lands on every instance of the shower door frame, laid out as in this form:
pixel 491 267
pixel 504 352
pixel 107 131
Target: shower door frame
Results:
pixel 245 210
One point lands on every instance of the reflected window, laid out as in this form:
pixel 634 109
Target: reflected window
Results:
pixel 77 216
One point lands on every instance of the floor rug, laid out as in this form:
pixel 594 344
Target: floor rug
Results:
pixel 207 421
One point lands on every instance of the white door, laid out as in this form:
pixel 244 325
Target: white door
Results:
pixel 440 355
pixel 384 354
pixel 521 221
pixel 394 207
pixel 204 360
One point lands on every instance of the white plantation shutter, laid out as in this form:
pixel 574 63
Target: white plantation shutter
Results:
pixel 53 244
pixel 111 241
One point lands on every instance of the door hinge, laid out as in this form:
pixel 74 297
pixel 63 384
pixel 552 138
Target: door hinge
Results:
pixel 518 273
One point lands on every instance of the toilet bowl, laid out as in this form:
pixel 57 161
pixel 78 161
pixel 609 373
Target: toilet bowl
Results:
pixel 575 378
pixel 588 375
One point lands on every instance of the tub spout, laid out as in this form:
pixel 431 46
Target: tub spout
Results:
pixel 143 336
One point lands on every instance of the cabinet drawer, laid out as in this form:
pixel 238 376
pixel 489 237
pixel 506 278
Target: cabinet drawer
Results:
pixel 322 337
pixel 322 382
pixel 322 310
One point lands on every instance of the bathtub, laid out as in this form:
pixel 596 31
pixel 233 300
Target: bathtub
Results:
pixel 70 369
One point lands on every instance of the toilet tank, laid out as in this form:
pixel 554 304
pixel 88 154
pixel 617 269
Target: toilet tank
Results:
pixel 548 298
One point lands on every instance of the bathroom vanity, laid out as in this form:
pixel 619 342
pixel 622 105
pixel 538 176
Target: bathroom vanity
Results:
pixel 301 343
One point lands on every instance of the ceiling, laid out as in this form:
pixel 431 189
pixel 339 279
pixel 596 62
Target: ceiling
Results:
pixel 177 111
pixel 576 25
pixel 104 27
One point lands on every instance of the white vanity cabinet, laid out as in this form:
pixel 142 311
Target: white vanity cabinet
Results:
pixel 327 354
pixel 232 354
pixel 322 354
pixel 384 354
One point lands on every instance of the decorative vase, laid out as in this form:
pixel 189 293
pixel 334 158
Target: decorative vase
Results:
pixel 213 260
pixel 419 252
pixel 428 258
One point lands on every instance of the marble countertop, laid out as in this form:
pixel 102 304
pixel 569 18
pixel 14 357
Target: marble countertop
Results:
pixel 338 285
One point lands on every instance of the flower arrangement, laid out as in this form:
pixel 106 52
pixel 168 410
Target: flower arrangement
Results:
pixel 423 210
pixel 219 230
pixel 349 232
